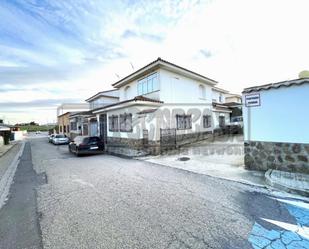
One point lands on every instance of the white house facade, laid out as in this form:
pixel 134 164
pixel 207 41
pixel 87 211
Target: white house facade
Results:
pixel 159 105
pixel 276 126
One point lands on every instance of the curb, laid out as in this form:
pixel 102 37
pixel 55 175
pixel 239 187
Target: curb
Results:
pixel 2 154
pixel 282 187
pixel 7 178
pixel 274 191
pixel 247 183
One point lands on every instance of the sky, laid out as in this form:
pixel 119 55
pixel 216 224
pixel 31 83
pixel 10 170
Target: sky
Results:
pixel 58 51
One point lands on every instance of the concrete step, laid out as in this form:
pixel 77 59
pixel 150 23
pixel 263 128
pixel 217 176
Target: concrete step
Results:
pixel 288 181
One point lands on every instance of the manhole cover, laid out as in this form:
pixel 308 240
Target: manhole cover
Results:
pixel 184 158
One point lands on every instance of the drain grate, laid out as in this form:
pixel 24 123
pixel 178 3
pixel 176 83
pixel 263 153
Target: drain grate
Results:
pixel 184 158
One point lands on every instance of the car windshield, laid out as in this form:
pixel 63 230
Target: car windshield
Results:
pixel 60 136
pixel 79 139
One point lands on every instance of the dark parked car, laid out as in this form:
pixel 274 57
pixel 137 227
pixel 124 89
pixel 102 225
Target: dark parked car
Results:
pixel 86 145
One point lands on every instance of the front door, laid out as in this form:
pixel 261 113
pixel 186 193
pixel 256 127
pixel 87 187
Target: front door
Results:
pixel 222 121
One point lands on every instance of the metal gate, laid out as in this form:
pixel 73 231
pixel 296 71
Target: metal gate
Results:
pixel 145 138
pixel 167 139
pixel 103 128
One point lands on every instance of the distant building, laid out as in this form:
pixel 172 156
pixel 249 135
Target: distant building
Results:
pixel 276 126
pixel 63 115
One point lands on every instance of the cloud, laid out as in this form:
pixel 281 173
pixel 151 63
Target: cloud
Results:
pixel 38 103
pixel 57 49
pixel 132 34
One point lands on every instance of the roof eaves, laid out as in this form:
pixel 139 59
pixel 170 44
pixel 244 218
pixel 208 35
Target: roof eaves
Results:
pixel 159 62
pixel 102 94
pixel 277 85
pixel 137 98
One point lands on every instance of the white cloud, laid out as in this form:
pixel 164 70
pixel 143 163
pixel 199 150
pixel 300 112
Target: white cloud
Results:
pixel 238 43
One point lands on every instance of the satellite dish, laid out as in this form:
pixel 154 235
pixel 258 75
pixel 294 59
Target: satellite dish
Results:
pixel 303 74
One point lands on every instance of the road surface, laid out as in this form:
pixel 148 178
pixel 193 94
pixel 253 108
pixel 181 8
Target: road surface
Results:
pixel 109 202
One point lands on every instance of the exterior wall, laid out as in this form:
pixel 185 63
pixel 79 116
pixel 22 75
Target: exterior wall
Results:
pixel 79 125
pixel 176 88
pixel 173 88
pixel 1 141
pixel 163 118
pixel 275 132
pixel 281 156
pixel 102 101
pixel 64 121
pixel 233 99
pixel 282 116
pixel 216 116
pixel 77 107
pixel 216 96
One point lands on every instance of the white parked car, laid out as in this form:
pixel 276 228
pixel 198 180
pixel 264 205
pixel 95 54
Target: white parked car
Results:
pixel 50 138
pixel 60 139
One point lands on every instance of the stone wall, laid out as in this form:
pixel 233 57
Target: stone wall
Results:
pixel 182 139
pixel 132 147
pixel 291 157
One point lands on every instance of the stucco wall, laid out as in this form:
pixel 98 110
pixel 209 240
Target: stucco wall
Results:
pixel 282 116
pixel 164 117
pixel 173 88
pixel 180 89
pixel 215 96
pixel 101 101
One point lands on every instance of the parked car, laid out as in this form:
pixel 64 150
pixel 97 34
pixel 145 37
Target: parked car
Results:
pixel 60 139
pixel 86 145
pixel 237 121
pixel 50 138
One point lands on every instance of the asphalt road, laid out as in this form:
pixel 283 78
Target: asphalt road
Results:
pixel 108 202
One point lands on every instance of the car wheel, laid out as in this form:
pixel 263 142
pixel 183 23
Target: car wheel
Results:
pixel 77 152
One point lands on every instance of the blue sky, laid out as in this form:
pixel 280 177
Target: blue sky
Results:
pixel 55 51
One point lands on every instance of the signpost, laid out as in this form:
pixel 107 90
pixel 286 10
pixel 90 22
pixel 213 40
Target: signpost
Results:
pixel 252 100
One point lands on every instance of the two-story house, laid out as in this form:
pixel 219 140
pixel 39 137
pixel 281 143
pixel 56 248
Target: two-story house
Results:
pixel 221 112
pixel 86 123
pixel 159 104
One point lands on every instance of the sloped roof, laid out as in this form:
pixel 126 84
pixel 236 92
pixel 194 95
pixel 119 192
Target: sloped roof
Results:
pixel 137 98
pixel 287 83
pixel 104 94
pixel 160 63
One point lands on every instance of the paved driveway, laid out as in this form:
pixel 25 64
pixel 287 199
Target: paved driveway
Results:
pixel 109 202
pixel 223 157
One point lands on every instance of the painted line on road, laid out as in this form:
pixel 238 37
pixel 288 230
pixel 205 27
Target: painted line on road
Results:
pixel 8 176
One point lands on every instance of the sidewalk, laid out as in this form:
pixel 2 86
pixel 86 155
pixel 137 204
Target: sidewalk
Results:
pixel 8 164
pixel 225 159
pixel 289 182
pixel 222 158
pixel 5 148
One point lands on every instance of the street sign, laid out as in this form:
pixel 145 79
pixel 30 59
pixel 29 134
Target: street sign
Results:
pixel 252 100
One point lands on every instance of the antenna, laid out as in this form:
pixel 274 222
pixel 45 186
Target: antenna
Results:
pixel 117 76
pixel 132 65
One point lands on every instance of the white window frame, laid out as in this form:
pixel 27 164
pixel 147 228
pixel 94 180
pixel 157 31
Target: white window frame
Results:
pixel 207 121
pixel 126 122
pixel 183 122
pixel 113 123
pixel 147 84
pixel 202 91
